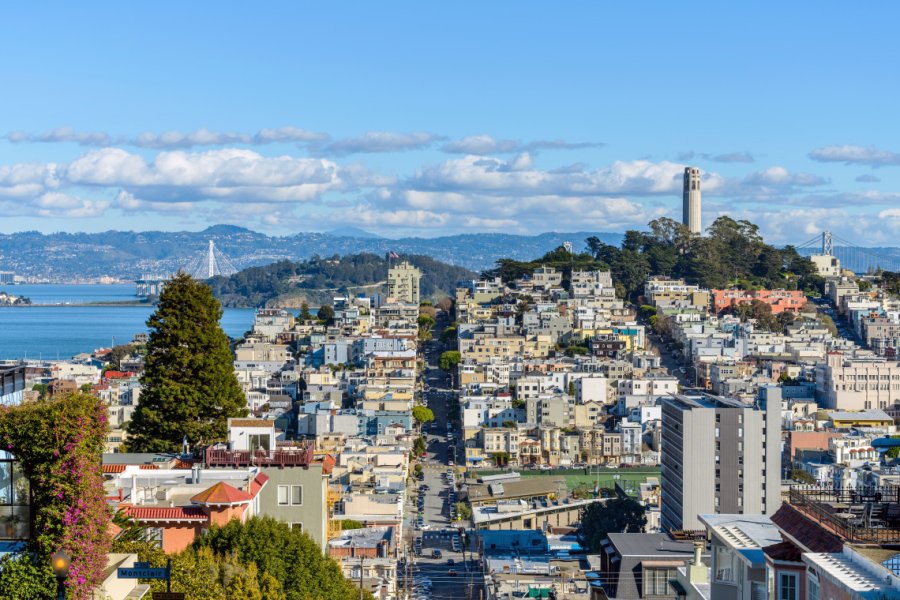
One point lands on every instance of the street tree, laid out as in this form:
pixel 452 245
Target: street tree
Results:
pixel 449 360
pixel 422 414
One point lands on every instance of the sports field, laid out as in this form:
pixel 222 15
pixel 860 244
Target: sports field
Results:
pixel 602 476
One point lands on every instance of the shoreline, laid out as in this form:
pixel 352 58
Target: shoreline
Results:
pixel 117 304
pixel 81 304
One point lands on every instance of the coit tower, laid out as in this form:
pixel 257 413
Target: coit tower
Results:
pixel 691 208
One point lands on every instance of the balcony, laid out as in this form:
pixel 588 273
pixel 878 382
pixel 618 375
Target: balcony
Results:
pixel 864 516
pixel 286 456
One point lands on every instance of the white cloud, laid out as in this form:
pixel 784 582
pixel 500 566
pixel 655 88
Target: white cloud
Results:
pixel 862 155
pixel 378 142
pixel 288 134
pixel 230 173
pixel 171 140
pixel 485 144
pixel 204 137
pixel 129 203
pixel 62 135
pixel 492 175
pixel 731 157
pixel 779 176
pixel 58 204
pixel 866 178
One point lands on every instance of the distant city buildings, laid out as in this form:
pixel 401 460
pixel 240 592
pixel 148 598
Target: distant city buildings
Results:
pixel 691 210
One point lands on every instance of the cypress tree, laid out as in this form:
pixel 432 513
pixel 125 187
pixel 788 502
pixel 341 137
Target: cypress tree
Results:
pixel 189 386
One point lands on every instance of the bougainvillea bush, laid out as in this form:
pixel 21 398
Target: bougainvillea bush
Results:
pixel 59 445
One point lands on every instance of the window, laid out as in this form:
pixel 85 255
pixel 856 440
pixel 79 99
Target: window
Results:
pixel 297 495
pixel 724 565
pixel 812 586
pixel 283 493
pixel 155 536
pixel 656 582
pixel 259 442
pixel 297 526
pixel 787 586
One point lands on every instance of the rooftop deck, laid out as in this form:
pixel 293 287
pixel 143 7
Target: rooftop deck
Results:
pixel 282 456
pixel 869 516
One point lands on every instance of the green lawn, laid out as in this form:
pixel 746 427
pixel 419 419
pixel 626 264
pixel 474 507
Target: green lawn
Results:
pixel 607 477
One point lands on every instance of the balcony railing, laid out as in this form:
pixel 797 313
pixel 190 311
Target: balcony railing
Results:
pixel 301 456
pixel 869 515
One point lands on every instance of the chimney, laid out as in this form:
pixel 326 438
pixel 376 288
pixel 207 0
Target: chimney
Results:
pixel 698 552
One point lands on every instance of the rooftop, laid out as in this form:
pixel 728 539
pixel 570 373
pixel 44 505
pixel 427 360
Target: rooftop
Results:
pixel 367 537
pixel 848 573
pixel 222 494
pixel 869 517
pixel 520 488
pixel 743 531
pixel 657 545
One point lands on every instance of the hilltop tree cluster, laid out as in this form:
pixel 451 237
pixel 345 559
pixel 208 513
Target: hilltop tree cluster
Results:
pixel 731 254
pixel 320 277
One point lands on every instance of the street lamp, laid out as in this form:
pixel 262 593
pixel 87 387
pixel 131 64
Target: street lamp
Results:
pixel 60 562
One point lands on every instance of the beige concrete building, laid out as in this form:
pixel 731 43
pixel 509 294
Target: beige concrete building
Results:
pixel 846 383
pixel 403 283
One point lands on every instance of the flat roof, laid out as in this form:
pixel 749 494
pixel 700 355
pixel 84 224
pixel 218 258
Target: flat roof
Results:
pixel 657 545
pixel 528 486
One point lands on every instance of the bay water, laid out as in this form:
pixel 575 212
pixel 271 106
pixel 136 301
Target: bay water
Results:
pixel 59 325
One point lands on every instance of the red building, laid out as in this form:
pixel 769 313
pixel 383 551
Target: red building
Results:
pixel 780 300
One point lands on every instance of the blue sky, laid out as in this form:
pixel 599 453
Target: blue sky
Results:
pixel 427 119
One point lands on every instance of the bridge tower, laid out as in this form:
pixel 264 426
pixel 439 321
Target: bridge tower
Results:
pixel 208 264
pixel 827 244
pixel 211 260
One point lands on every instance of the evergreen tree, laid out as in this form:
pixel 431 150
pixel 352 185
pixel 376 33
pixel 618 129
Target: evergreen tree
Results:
pixel 189 386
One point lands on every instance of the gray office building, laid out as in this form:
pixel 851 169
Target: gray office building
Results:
pixel 720 456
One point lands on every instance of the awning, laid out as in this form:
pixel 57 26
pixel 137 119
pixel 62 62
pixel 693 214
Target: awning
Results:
pixel 662 563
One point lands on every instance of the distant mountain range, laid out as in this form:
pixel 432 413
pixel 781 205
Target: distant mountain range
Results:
pixel 129 254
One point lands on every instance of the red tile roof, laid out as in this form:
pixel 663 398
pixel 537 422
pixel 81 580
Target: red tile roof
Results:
pixel 168 513
pixel 113 469
pixel 118 374
pixel 222 493
pixel 251 423
pixel 810 535
pixel 328 463
pixel 258 483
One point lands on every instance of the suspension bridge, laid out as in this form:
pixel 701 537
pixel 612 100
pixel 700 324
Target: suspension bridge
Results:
pixel 852 257
pixel 204 265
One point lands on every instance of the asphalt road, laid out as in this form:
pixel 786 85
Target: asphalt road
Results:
pixel 432 577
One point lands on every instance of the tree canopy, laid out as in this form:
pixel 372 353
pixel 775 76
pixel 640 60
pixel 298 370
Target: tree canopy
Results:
pixel 617 515
pixel 422 414
pixel 319 277
pixel 449 360
pixel 732 253
pixel 288 555
pixel 261 559
pixel 189 386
